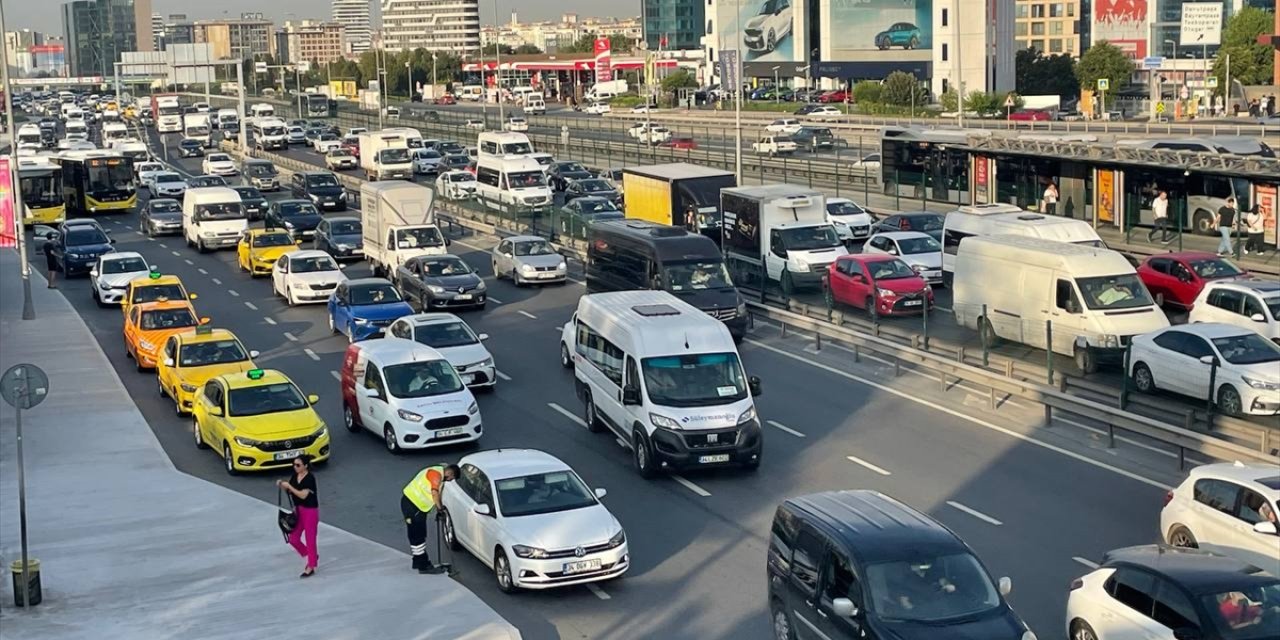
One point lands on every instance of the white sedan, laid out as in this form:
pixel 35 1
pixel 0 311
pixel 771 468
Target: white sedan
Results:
pixel 598 108
pixel 147 172
pixel 218 164
pixel 516 123
pixel 1182 358
pixel 308 276
pixel 456 185
pixel 474 123
pixel 455 340
pixel 531 519
pixel 110 277
pixel 916 248
pixel 637 130
pixel 167 184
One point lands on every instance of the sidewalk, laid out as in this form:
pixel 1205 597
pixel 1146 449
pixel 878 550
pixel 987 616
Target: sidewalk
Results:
pixel 129 547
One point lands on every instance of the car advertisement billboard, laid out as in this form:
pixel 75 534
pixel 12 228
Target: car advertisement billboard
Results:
pixel 1124 24
pixel 878 30
pixel 764 30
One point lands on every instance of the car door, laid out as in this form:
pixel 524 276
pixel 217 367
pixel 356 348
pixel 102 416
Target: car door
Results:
pixel 338 310
pixel 168 366
pixel 1166 358
pixel 405 277
pixel 1126 615
pixel 502 260
pixel 1067 315
pixel 1184 284
pixel 296 186
pixel 1195 374
pixel 776 260
pixel 859 286
pixel 1214 505
pixel 131 330
pixel 839 281
pixel 321 240
pixel 839 580
pixel 1173 610
pixel 803 584
pixel 214 428
pixel 375 410
pixel 487 530
pixel 890 224
pixel 459 499
pixel 1258 549
pixel 1156 275
pixel 280 275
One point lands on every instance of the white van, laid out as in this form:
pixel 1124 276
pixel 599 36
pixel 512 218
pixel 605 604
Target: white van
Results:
pixel 1091 296
pixel 503 144
pixel 114 131
pixel 1007 219
pixel 665 378
pixel 212 218
pixel 412 137
pixel 512 181
pixel 261 110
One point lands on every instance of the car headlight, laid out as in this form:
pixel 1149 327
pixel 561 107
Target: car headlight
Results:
pixel 526 268
pixel 562 266
pixel 321 432
pixel 800 267
pixel 618 539
pixel 247 442
pixel 146 345
pixel 1111 341
pixel 919 268
pixel 409 415
pixel 314 197
pixel 435 288
pixel 473 409
pixel 288 225
pixel 483 364
pixel 361 321
pixel 207 234
pixel 663 421
pixel 342 196
pixel 189 388
pixel 885 293
pixel 1260 384
pixel 529 552
pixel 1029 635
pixel 748 415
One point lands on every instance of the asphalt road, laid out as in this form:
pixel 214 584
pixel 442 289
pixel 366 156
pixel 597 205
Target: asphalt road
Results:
pixel 1031 511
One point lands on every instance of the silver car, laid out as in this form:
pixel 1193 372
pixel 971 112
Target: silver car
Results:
pixel 528 260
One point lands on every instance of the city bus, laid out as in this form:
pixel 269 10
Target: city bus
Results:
pixel 1197 196
pixel 99 181
pixel 41 182
pixel 318 106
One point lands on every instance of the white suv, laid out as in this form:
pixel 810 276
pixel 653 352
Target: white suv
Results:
pixel 1250 304
pixel 1227 508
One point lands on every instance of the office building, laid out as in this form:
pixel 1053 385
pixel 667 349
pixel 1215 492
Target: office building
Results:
pixel 1049 27
pixel 434 25
pixel 354 17
pixel 157 31
pixel 247 36
pixel 973 46
pixel 673 24
pixel 314 42
pixel 98 31
pixel 177 29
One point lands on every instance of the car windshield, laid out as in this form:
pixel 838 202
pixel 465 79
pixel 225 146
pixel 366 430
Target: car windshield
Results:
pixel 701 380
pixel 418 238
pixel 461 177
pixel 124 265
pixel 517 149
pixel 422 379
pixel 924 223
pixel 596 205
pixel 340 152
pixel 374 294
pixel 167 319
pixel 167 177
pixel 439 335
pixel 219 211
pixel 280 239
pixel 389 156
pixel 912 246
pixel 1249 613
pixel 291 209
pixel 1213 268
pixel 1250 348
pixel 157 292
pixel 264 399
pixel 844 209
pixel 889 270
pixel 248 193
pixel 534 248
pixel 213 352
pixel 807 238
pixel 208 181
pixel 260 170
pixel 217 157
pixel 542 493
pixel 1114 292
pixel 697 275
pixel 593 186
pixel 571 167
pixel 930 589
pixel 344 228
pixel 313 264
pixel 522 179
pixel 427 154
pixel 76 237
pixel 437 267
pixel 322 181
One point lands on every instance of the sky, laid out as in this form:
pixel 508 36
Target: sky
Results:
pixel 45 15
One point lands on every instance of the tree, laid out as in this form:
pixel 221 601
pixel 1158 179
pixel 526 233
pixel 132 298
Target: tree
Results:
pixel 867 91
pixel 587 44
pixel 903 89
pixel 527 49
pixel 1104 60
pixel 1038 74
pixel 1252 63
pixel 678 79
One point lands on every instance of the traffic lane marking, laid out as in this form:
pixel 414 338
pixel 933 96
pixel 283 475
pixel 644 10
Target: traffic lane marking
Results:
pixel 598 591
pixel 974 512
pixel 691 486
pixel 857 460
pixel 502 376
pixel 1086 562
pixel 568 414
pixel 526 314
pixel 290 337
pixel 311 353
pixel 778 425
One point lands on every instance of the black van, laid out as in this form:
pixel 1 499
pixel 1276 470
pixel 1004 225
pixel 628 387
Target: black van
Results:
pixel 859 564
pixel 629 254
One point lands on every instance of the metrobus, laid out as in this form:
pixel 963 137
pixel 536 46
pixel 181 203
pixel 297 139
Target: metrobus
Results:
pixel 318 106
pixel 1201 193
pixel 41 182
pixel 97 181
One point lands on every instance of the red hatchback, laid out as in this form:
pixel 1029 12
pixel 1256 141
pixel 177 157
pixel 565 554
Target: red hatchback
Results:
pixel 879 284
pixel 1031 115
pixel 446 99
pixel 681 143
pixel 834 96
pixel 1176 279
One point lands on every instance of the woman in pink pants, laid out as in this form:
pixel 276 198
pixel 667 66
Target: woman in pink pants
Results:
pixel 302 489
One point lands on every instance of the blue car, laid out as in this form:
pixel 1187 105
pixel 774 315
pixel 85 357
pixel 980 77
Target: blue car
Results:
pixel 362 309
pixel 76 246
pixel 899 34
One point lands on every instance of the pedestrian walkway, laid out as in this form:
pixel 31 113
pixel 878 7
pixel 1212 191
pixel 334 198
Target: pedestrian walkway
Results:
pixel 129 547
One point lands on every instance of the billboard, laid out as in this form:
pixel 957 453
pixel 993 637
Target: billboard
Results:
pixel 878 30
pixel 8 222
pixel 764 30
pixel 604 60
pixel 1123 23
pixel 1201 24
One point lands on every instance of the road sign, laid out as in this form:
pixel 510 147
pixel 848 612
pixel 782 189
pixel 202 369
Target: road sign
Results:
pixel 1160 107
pixel 1104 84
pixel 1152 62
pixel 1008 101
pixel 260 67
pixel 1212 82
pixel 1201 24
pixel 24 386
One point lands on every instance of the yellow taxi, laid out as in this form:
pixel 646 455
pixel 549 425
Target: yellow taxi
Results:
pixel 258 420
pixel 154 288
pixel 190 358
pixel 260 248
pixel 149 324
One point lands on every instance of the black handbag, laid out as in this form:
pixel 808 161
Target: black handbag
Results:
pixel 287 520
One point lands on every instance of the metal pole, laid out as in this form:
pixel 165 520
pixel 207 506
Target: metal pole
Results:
pixel 1213 382
pixel 28 309
pixel 243 138
pixel 116 69
pixel 297 74
pixel 1048 349
pixel 960 66
pixel 22 497
pixel 737 98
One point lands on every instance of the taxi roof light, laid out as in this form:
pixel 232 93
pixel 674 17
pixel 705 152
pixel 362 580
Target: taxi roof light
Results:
pixel 204 329
pixel 254 374
pixel 154 275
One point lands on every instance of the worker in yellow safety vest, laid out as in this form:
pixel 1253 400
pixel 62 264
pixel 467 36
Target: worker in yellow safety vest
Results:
pixel 421 495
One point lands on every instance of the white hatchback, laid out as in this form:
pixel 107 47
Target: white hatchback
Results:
pixel 110 277
pixel 1248 303
pixel 455 340
pixel 1227 508
pixel 531 519
pixel 916 248
pixel 308 276
pixel 1182 359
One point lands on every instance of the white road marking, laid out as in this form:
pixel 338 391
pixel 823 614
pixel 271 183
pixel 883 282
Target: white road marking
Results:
pixel 311 353
pixel 779 425
pixel 336 375
pixel 527 314
pixel 598 591
pixel 217 281
pixel 164 246
pixel 175 253
pixel 568 414
pixel 1086 562
pixel 502 376
pixel 975 513
pixel 691 486
pixel 149 239
pixel 977 421
pixel 251 305
pixel 202 271
pixel 857 460
pixel 269 320
pixel 233 293
pixel 494 300
pixel 621 443
pixel 188 261
pixel 290 337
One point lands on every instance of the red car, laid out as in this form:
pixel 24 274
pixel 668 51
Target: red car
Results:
pixel 879 284
pixel 1031 115
pixel 446 99
pixel 834 96
pixel 681 143
pixel 1175 279
pixel 352 144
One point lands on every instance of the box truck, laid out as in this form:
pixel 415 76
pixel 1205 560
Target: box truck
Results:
pixel 195 126
pixel 398 221
pixel 783 227
pixel 679 194
pixel 384 155
pixel 167 113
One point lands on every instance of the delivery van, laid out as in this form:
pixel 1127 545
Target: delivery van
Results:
pixel 213 218
pixel 998 218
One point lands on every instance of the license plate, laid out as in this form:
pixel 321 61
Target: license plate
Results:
pixel 468 378
pixel 450 432
pixel 358 252
pixel 724 457
pixel 546 276
pixel 582 566
pixel 912 303
pixel 463 296
pixel 288 455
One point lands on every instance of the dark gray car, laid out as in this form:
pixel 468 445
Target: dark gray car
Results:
pixel 255 204
pixel 160 216
pixel 440 282
pixel 341 237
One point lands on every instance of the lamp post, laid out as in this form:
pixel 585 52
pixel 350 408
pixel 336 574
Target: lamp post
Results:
pixel 434 81
pixel 737 96
pixel 409 72
pixel 20 237
pixel 777 90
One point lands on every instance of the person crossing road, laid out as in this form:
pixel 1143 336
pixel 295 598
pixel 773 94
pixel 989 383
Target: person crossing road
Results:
pixel 420 496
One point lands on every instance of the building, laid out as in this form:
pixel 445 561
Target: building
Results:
pixel 17 50
pixel 550 37
pixel 49 59
pixel 434 25
pixel 1049 27
pixel 311 41
pixel 973 46
pixel 354 16
pixel 247 36
pixel 177 30
pixel 675 24
pixel 98 31
pixel 157 31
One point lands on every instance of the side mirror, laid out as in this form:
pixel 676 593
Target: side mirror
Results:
pixel 482 510
pixel 93 273
pixel 1005 585
pixel 630 395
pixel 1258 317
pixel 780 252
pixel 483 336
pixel 153 268
pixel 753 384
pixel 253 353
pixel 313 398
pixel 843 608
pixel 371 393
pixel 168 362
pixel 215 411
pixel 1265 527
pixel 600 493
pixel 1210 360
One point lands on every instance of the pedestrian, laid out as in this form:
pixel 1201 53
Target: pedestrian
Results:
pixel 1051 198
pixel 1160 211
pixel 51 263
pixel 1253 225
pixel 421 495
pixel 301 487
pixel 1225 221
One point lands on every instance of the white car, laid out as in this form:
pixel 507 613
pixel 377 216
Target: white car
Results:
pixel 785 126
pixel 474 123
pixel 1249 304
pixel 598 108
pixel 516 123
pixel 916 248
pixel 851 220
pixel 307 276
pixel 868 164
pixel 167 184
pixel 218 164
pixel 637 130
pixel 326 143
pixel 355 131
pixel 201 107
pixel 530 518
pixel 643 108
pixel 1182 359
pixel 110 277
pixel 456 185
pixel 772 25
pixel 455 340
pixel 826 112
pixel 774 144
pixel 147 171
pixel 656 135
pixel 1227 508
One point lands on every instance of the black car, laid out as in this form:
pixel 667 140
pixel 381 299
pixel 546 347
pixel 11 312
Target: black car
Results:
pixel 597 187
pixel 321 188
pixel 814 138
pixel 160 216
pixel 440 282
pixel 560 173
pixel 859 564
pixel 77 247
pixel 255 204
pixel 458 161
pixel 196 182
pixel 189 148
pixel 922 221
pixel 314 134
pixel 341 236
pixel 449 147
pixel 299 217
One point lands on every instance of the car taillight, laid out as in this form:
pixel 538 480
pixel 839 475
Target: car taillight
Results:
pixel 1168 497
pixel 1077 583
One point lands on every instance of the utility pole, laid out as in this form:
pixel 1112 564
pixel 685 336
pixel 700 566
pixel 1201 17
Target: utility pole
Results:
pixel 959 65
pixel 737 96
pixel 243 139
pixel 28 309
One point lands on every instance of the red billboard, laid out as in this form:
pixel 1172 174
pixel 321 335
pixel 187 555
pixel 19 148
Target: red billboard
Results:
pixel 604 60
pixel 1123 23
pixel 8 224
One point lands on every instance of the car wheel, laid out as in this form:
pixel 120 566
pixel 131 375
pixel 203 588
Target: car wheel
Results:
pixel 496 273
pixel 515 278
pixel 389 439
pixel 1086 362
pixel 565 360
pixel 349 419
pixel 987 334
pixel 882 44
pixel 642 456
pixel 1080 630
pixel 288 296
pixel 589 413
pixel 1229 401
pixel 1142 379
pixel 229 461
pixel 782 624
pixel 1202 222
pixel 913 43
pixel 195 428
pixel 502 572
pixel 450 537
pixel 1180 536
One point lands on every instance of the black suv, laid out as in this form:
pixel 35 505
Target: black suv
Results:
pixel 299 217
pixel 814 138
pixel 859 564
pixel 321 188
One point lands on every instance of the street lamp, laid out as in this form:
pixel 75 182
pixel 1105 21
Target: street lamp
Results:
pixel 15 184
pixel 777 92
pixel 409 71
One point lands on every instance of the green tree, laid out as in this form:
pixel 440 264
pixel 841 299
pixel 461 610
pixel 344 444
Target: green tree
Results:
pixel 1038 75
pixel 950 101
pixel 866 91
pixel 1104 60
pixel 678 79
pixel 527 49
pixel 494 49
pixel 903 89
pixel 1252 63
pixel 587 44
